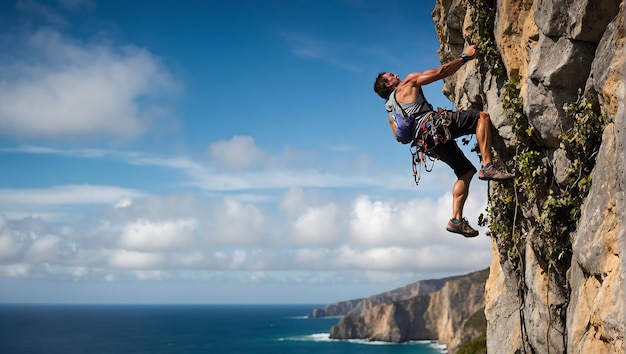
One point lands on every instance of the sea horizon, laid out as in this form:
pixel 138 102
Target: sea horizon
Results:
pixel 174 328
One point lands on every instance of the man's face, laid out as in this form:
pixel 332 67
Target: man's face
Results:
pixel 392 79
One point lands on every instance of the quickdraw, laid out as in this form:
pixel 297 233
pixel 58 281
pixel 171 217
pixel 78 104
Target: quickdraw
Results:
pixel 418 157
pixel 432 131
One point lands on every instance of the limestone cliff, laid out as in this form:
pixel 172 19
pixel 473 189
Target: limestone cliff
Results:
pixel 453 314
pixel 357 306
pixel 551 76
pixel 556 282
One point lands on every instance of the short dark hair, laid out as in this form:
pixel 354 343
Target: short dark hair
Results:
pixel 380 86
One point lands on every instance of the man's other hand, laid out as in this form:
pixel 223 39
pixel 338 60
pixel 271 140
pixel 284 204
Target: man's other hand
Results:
pixel 471 52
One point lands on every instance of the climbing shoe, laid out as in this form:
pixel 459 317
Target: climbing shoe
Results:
pixel 461 227
pixel 494 173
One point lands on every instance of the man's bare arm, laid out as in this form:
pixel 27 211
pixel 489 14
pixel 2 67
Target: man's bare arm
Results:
pixel 432 75
pixel 392 123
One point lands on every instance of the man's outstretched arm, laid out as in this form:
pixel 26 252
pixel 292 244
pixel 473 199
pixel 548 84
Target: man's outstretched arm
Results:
pixel 432 75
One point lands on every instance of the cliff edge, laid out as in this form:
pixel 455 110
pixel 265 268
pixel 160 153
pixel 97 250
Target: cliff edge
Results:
pixel 551 76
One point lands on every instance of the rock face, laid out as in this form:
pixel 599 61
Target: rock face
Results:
pixel 573 303
pixel 553 48
pixel 453 314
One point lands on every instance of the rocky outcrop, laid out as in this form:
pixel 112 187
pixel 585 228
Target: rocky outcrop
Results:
pixel 453 314
pixel 357 306
pixel 551 49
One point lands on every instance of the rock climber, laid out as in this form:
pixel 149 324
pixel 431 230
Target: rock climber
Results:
pixel 409 95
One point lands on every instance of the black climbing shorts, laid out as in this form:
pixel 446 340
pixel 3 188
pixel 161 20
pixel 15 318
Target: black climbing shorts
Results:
pixel 463 123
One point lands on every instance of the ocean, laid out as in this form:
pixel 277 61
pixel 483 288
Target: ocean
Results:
pixel 259 329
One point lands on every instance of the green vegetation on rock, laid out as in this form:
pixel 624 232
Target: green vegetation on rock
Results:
pixel 477 346
pixel 552 208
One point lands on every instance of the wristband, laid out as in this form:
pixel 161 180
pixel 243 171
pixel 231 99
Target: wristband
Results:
pixel 465 57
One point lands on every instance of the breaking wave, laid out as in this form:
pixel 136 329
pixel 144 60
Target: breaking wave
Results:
pixel 325 337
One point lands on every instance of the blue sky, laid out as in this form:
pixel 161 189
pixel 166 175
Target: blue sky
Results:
pixel 216 152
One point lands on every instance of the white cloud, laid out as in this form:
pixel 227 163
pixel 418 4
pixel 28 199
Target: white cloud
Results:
pixel 238 259
pixel 130 157
pixel 164 236
pixel 409 223
pixel 239 152
pixel 72 89
pixel 235 223
pixel 44 248
pixel 78 272
pixel 65 195
pixel 426 258
pixel 371 222
pixel 123 203
pixel 293 201
pixel 318 226
pixel 147 235
pixel 135 260
pixel 45 150
pixel 15 271
pixel 10 246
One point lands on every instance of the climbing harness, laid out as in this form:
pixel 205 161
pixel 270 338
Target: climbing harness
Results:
pixel 432 130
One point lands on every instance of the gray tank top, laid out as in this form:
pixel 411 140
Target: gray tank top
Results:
pixel 417 108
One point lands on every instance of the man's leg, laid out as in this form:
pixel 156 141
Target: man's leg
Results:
pixel 483 135
pixel 451 154
pixel 458 224
pixel 460 191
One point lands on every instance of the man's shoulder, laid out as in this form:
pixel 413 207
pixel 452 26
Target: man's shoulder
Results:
pixel 412 76
pixel 407 91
